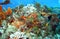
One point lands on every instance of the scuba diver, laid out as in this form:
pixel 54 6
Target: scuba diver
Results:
pixel 5 2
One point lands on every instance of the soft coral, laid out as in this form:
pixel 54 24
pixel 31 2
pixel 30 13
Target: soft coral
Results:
pixel 2 15
pixel 9 11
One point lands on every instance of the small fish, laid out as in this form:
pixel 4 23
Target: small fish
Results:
pixel 49 17
pixel 54 27
pixel 47 24
pixel 5 2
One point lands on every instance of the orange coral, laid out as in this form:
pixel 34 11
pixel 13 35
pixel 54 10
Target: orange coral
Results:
pixel 34 15
pixel 17 24
pixel 0 8
pixel 15 37
pixel 23 17
pixel 35 21
pixel 2 16
pixel 9 11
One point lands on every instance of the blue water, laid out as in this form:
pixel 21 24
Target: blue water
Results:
pixel 14 3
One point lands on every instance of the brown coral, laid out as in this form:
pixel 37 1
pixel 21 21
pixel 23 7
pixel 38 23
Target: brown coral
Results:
pixel 23 18
pixel 34 15
pixel 0 22
pixel 2 16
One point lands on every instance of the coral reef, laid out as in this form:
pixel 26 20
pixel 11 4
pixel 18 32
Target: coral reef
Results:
pixel 29 22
